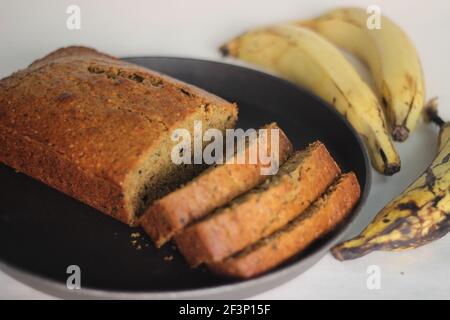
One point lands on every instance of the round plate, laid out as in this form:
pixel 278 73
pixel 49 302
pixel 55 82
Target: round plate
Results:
pixel 43 231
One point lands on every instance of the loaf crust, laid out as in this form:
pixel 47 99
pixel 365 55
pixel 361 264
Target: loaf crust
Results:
pixel 258 213
pixel 84 123
pixel 320 218
pixel 212 189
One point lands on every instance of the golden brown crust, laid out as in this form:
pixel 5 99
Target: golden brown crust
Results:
pixel 258 213
pixel 36 160
pixel 98 117
pixel 213 188
pixel 322 216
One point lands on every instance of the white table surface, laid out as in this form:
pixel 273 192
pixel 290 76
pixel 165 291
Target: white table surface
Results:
pixel 195 28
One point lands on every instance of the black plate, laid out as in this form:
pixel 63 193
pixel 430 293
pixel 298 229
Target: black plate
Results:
pixel 43 231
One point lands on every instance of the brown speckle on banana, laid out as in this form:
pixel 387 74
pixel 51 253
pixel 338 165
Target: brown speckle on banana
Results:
pixel 309 60
pixel 391 57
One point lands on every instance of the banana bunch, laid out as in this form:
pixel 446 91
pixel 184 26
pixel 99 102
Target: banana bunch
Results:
pixel 388 53
pixel 308 59
pixel 419 215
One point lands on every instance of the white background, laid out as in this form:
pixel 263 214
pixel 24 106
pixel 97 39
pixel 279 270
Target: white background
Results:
pixel 195 28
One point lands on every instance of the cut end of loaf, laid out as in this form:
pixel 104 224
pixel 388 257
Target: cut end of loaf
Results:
pixel 157 175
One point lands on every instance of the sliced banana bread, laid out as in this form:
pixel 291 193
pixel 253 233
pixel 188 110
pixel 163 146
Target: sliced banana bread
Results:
pixel 99 129
pixel 321 217
pixel 261 211
pixel 214 188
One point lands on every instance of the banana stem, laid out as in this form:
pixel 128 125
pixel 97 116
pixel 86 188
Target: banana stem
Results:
pixel 432 113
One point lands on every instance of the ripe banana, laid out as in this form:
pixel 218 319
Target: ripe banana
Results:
pixel 419 215
pixel 390 55
pixel 311 61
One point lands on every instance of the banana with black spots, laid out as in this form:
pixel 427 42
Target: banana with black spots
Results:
pixel 418 216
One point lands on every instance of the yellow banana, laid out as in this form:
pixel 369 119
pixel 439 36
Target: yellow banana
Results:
pixel 391 56
pixel 311 61
pixel 419 215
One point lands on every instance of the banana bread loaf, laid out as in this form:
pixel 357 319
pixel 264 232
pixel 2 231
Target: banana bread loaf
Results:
pixel 258 213
pixel 212 189
pixel 321 217
pixel 99 129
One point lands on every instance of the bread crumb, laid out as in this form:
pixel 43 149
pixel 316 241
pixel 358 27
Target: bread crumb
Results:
pixel 138 241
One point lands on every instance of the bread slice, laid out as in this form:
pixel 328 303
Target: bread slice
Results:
pixel 214 188
pixel 258 213
pixel 321 217
pixel 99 129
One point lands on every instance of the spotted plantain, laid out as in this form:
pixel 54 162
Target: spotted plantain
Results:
pixel 418 216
